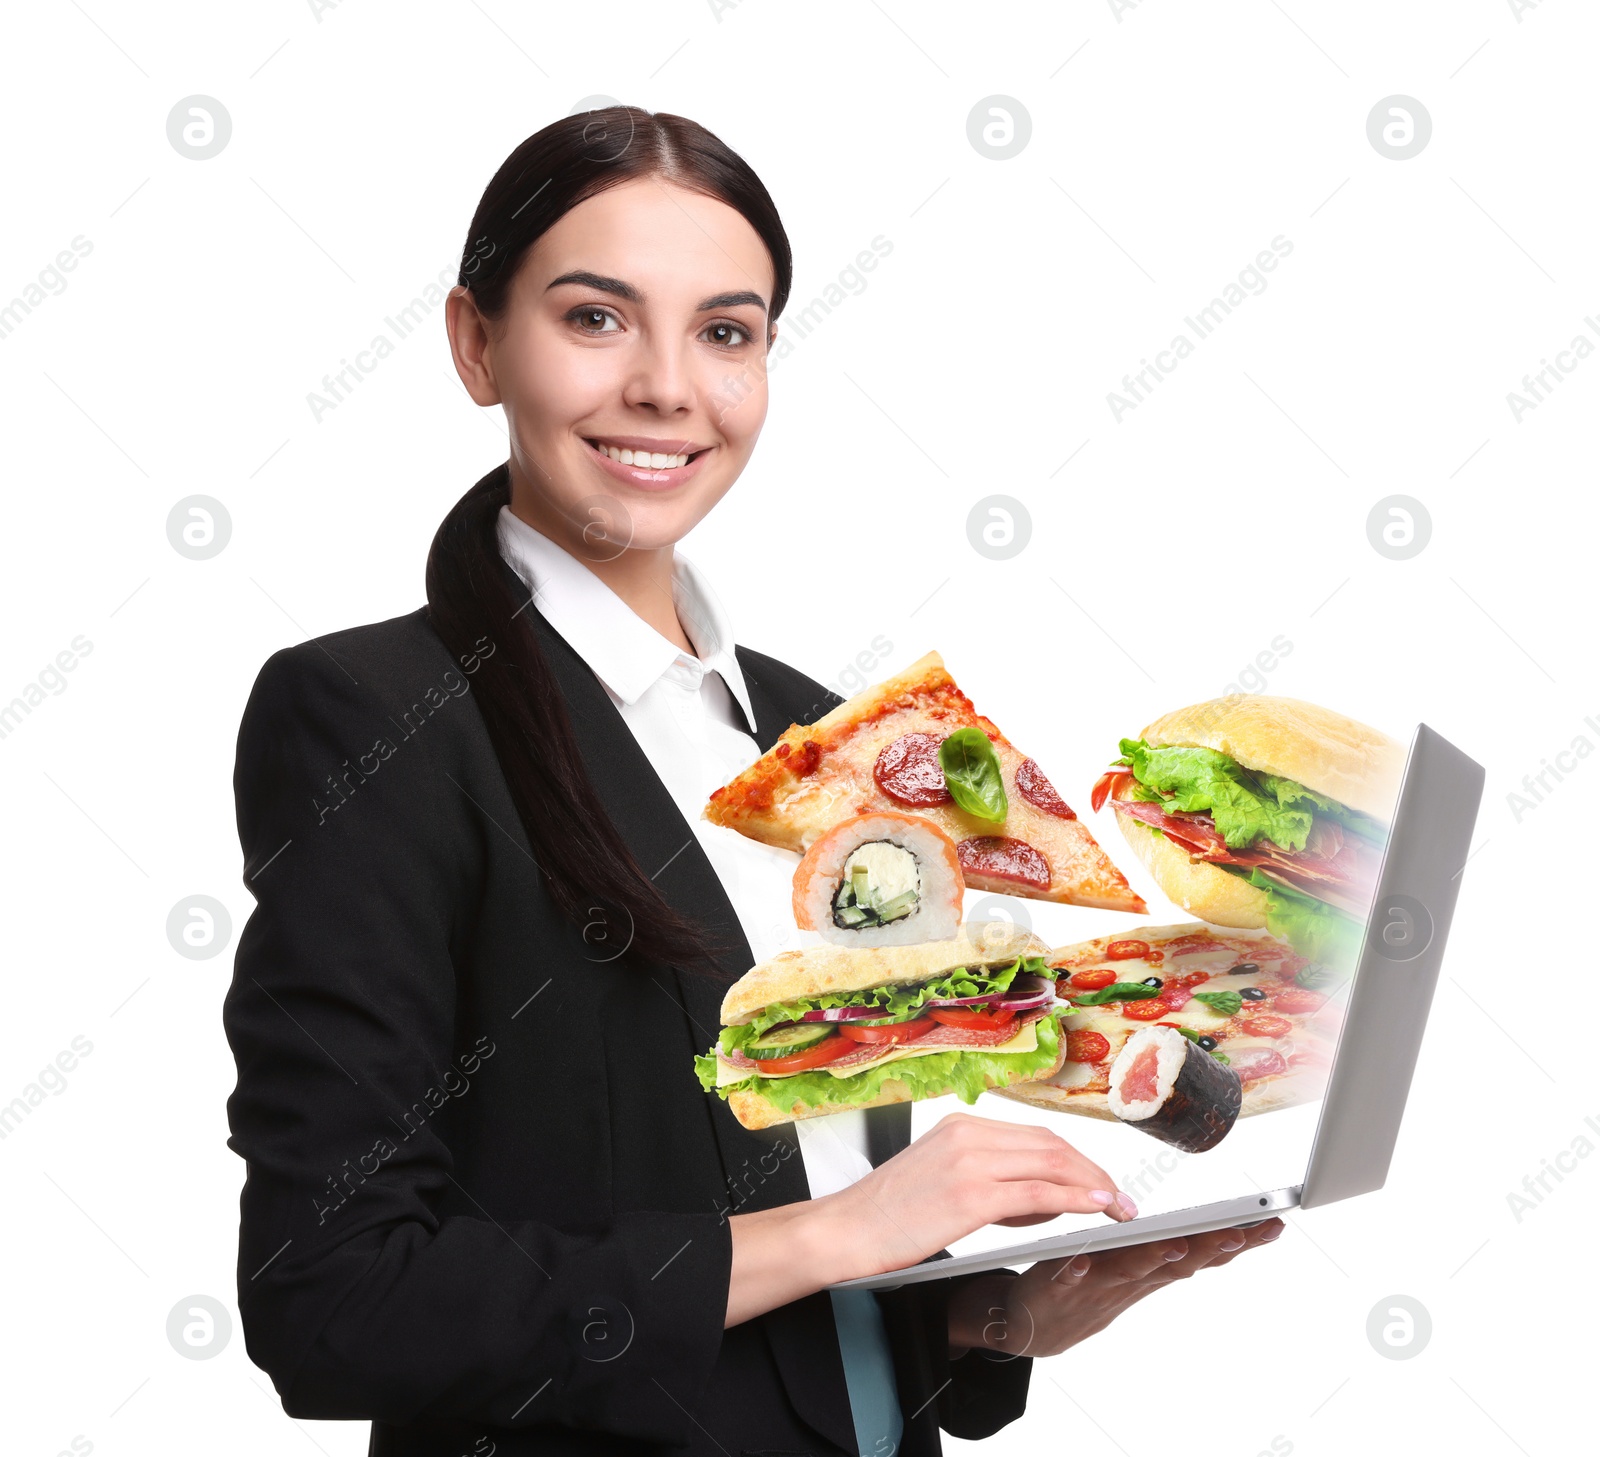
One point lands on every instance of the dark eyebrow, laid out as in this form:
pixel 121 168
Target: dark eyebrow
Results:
pixel 620 289
pixel 732 300
pixel 595 281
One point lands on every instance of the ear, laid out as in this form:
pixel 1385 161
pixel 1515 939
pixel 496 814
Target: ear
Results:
pixel 468 333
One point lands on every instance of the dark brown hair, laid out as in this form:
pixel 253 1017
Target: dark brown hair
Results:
pixel 587 867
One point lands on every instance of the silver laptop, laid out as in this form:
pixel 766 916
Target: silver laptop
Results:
pixel 1429 842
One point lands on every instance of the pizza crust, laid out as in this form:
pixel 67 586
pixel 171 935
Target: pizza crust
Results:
pixel 1264 1095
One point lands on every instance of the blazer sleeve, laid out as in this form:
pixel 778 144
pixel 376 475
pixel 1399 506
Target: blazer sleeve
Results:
pixel 357 1295
pixel 986 1390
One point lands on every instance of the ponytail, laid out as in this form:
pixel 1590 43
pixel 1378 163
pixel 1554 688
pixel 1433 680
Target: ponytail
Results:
pixel 586 865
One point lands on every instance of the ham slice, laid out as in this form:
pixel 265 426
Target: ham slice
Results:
pixel 1336 867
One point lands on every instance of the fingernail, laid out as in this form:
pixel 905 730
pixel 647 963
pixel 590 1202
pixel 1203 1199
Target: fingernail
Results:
pixel 1271 1235
pixel 1129 1209
pixel 1079 1266
pixel 1228 1246
pixel 1100 1196
pixel 1173 1256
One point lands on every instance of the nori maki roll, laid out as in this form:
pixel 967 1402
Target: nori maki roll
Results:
pixel 1174 1090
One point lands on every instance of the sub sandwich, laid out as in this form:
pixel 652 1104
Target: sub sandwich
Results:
pixel 1254 811
pixel 827 1029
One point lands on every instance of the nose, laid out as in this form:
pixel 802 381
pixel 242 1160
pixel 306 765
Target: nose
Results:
pixel 661 378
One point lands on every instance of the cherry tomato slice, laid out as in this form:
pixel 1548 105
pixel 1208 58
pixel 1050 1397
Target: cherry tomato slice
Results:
pixel 1297 1000
pixel 1086 1047
pixel 894 1032
pixel 1127 950
pixel 817 1055
pixel 1092 981
pixel 1265 1026
pixel 1152 1009
pixel 974 1017
pixel 1194 978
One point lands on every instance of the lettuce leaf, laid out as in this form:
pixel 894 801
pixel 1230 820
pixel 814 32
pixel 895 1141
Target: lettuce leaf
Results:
pixel 1315 929
pixel 966 1072
pixel 1205 781
pixel 898 1002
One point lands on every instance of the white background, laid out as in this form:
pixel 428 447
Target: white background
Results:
pixel 1170 143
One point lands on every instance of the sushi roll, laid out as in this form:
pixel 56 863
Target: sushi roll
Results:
pixel 885 879
pixel 1174 1090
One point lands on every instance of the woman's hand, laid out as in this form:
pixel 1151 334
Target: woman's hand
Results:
pixel 1058 1303
pixel 964 1173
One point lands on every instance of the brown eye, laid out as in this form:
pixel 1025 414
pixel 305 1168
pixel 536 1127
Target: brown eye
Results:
pixel 593 320
pixel 727 336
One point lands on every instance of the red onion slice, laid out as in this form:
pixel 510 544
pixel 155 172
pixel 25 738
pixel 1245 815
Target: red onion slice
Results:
pixel 1026 993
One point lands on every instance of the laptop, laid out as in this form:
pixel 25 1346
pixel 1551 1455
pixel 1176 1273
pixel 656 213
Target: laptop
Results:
pixel 1376 1053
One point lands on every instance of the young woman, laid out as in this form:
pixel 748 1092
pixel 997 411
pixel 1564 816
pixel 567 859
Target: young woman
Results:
pixel 488 1207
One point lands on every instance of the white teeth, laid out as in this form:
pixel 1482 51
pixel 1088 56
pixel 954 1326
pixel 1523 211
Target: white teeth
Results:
pixel 655 460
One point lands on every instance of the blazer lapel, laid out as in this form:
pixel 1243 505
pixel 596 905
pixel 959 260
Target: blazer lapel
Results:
pixel 763 1169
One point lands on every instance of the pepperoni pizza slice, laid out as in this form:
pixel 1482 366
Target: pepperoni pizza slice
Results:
pixel 1243 996
pixel 914 743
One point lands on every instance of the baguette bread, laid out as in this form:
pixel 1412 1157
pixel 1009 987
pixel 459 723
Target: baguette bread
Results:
pixel 814 971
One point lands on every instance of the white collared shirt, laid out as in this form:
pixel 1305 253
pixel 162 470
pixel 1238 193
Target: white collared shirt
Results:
pixel 692 717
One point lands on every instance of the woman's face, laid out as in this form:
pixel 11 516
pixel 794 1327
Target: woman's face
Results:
pixel 637 330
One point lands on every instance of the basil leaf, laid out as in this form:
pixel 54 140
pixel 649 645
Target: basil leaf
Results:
pixel 1223 1058
pixel 972 774
pixel 1317 976
pixel 1118 991
pixel 1190 1033
pixel 1224 1004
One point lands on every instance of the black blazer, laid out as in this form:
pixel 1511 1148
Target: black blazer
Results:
pixel 486 1200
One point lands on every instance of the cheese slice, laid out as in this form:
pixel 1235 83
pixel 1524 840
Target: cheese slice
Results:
pixel 1027 1040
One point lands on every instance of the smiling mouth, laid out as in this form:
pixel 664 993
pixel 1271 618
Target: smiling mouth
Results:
pixel 645 459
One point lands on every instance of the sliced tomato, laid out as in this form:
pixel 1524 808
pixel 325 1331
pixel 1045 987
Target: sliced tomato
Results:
pixel 1152 1009
pixel 819 1054
pixel 1297 1000
pixel 1194 978
pixel 977 1017
pixel 1086 1047
pixel 1092 981
pixel 1265 1026
pixel 1127 950
pixel 893 1032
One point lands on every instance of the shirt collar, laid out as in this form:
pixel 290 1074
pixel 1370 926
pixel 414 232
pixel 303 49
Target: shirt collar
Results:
pixel 623 650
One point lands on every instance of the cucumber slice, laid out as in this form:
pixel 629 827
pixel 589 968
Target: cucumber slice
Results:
pixel 782 1041
pixel 897 906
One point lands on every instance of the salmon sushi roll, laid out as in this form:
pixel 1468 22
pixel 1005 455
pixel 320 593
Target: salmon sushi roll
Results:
pixel 885 879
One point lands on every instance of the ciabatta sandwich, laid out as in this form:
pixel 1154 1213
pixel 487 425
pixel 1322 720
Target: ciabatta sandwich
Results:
pixel 1255 811
pixel 830 1028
